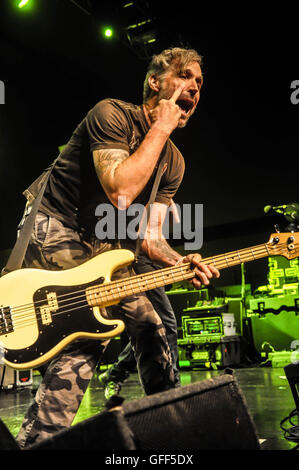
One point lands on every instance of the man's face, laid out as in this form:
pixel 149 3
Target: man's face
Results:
pixel 192 78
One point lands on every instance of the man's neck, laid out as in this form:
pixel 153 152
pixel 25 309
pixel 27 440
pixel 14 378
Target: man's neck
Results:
pixel 148 106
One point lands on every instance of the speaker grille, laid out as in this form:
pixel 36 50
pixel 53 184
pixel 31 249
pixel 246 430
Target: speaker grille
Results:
pixel 207 415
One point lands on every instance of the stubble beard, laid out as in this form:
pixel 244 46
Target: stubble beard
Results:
pixel 165 94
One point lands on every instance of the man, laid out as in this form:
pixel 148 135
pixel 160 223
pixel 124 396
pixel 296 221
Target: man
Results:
pixel 112 158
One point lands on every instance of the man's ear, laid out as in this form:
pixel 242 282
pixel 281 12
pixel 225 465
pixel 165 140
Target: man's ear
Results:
pixel 154 83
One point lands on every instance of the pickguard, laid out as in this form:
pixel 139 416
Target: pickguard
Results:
pixel 60 312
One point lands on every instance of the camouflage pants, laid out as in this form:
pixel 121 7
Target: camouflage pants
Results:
pixel 54 246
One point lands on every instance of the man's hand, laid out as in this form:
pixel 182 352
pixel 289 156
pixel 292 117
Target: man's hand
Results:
pixel 204 272
pixel 167 113
pixel 158 249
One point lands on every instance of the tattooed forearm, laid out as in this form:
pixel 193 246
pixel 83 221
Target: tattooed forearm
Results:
pixel 108 160
pixel 159 250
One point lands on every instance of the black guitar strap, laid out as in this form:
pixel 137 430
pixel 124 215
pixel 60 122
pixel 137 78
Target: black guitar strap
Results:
pixel 17 255
pixel 146 215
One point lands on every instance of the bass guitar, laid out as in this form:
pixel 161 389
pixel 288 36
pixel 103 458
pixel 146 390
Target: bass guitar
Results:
pixel 42 311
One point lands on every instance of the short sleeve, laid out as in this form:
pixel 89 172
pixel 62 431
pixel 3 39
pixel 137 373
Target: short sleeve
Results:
pixel 107 126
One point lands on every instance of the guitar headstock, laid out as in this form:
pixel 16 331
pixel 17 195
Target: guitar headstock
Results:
pixel 284 244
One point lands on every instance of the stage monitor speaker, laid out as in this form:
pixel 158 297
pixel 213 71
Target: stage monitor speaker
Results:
pixel 208 415
pixel 106 431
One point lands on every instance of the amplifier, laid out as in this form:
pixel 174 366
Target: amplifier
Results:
pixel 10 378
pixel 221 352
pixel 209 328
pixel 201 328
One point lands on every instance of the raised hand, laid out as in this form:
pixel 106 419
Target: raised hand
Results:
pixel 167 113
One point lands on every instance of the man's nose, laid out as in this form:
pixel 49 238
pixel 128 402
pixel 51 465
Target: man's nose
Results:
pixel 193 88
pixel 193 91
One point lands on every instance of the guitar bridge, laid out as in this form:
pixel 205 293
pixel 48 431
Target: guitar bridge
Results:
pixel 6 325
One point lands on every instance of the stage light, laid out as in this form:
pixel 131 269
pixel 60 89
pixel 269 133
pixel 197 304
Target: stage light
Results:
pixel 25 5
pixel 107 32
pixel 22 3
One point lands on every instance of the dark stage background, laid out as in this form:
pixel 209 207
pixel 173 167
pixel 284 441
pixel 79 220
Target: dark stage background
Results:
pixel 240 147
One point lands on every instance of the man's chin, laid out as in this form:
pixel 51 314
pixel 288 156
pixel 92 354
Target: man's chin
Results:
pixel 185 118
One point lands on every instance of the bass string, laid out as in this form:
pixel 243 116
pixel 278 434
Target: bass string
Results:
pixel 214 259
pixel 127 280
pixel 32 320
pixel 105 289
pixel 29 320
pixel 24 317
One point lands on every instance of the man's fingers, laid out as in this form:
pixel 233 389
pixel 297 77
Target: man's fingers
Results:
pixel 177 93
pixel 214 270
pixel 204 272
pixel 209 270
pixel 204 277
pixel 194 258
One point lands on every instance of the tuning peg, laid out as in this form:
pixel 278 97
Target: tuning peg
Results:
pixel 277 229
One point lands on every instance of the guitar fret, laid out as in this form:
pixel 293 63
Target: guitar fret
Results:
pixel 155 283
pixel 116 290
pixel 112 292
pixel 138 282
pixel 128 289
pixel 238 257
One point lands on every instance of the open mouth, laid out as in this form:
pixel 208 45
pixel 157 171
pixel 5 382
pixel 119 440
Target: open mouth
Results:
pixel 185 104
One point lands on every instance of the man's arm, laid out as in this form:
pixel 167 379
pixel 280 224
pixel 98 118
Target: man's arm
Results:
pixel 125 176
pixel 157 249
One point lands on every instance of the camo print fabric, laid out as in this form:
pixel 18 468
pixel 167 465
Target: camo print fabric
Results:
pixel 54 246
pixel 126 362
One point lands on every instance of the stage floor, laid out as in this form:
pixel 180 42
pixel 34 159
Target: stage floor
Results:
pixel 266 391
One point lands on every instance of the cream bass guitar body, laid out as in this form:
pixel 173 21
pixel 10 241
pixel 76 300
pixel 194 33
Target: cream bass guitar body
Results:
pixel 41 311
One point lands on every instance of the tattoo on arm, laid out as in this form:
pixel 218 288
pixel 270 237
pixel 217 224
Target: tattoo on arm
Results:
pixel 154 244
pixel 107 160
pixel 162 251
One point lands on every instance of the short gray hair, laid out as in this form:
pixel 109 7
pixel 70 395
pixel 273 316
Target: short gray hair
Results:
pixel 161 63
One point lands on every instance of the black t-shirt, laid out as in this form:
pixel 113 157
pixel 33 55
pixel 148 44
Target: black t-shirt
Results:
pixel 74 191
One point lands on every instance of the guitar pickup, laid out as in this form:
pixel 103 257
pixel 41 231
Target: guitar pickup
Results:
pixel 47 309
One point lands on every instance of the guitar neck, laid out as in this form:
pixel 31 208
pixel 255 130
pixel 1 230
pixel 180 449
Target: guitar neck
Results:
pixel 239 256
pixel 114 291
